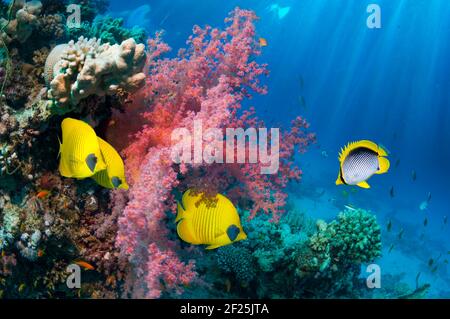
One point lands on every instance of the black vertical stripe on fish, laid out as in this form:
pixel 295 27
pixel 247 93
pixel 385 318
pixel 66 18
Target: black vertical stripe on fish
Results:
pixel 91 161
pixel 232 232
pixel 116 181
pixel 341 175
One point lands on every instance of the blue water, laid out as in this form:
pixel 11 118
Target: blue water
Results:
pixel 389 85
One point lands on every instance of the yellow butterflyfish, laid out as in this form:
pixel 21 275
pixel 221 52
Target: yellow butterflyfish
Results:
pixel 79 150
pixel 114 174
pixel 215 226
pixel 359 161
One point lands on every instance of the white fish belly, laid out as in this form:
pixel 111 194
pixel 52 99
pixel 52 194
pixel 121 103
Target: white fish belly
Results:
pixel 359 166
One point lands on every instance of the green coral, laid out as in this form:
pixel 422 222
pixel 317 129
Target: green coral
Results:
pixel 11 221
pixel 355 237
pixel 109 30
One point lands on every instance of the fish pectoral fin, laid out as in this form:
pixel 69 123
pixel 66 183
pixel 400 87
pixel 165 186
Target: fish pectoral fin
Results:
pixel 384 165
pixel 363 184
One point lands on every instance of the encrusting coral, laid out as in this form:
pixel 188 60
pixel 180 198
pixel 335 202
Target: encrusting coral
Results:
pixel 80 69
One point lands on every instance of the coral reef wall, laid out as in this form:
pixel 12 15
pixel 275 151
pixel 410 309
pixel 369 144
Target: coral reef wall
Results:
pixel 126 241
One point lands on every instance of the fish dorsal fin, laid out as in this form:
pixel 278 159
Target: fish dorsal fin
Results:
pixel 354 145
pixel 188 200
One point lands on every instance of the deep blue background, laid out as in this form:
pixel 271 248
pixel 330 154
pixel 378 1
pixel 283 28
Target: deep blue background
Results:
pixel 390 85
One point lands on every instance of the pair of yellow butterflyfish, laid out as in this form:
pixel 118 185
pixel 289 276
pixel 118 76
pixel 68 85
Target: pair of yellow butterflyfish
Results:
pixel 83 154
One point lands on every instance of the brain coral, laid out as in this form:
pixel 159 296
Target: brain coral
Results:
pixel 79 69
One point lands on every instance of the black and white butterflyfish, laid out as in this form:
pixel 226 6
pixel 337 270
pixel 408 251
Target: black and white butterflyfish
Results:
pixel 359 161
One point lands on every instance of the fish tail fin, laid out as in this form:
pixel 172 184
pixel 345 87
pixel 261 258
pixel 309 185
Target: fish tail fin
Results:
pixel 384 165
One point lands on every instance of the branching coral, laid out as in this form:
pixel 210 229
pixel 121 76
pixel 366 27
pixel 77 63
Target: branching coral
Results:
pixel 80 69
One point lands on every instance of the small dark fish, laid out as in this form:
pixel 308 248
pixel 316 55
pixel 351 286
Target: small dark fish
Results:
pixel 301 81
pixel 400 234
pixel 397 163
pixel 390 248
pixel 425 222
pixel 301 101
pixel 417 280
pixel 414 175
pixel 430 262
pixel 391 192
pixel 389 226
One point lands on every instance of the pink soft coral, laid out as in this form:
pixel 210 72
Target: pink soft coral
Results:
pixel 206 82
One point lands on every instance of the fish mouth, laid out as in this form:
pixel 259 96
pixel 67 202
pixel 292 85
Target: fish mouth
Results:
pixel 91 161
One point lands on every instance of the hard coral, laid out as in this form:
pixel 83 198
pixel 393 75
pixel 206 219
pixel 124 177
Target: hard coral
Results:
pixel 80 69
pixel 26 19
pixel 238 261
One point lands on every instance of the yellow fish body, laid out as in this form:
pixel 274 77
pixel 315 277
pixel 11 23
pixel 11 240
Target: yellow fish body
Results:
pixel 213 226
pixel 359 161
pixel 80 150
pixel 114 174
